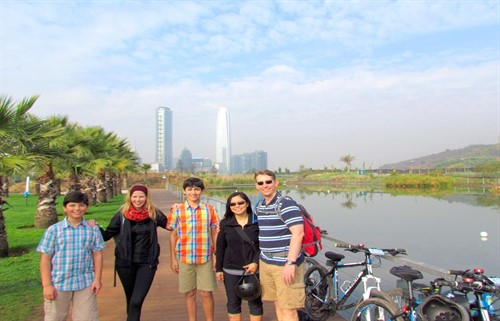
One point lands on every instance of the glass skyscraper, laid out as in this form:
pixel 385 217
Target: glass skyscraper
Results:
pixel 164 138
pixel 223 142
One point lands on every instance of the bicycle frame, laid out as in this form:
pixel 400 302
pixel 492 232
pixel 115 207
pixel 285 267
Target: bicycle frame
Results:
pixel 364 276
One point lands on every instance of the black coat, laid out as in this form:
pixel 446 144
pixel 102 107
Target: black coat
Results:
pixel 119 228
pixel 233 252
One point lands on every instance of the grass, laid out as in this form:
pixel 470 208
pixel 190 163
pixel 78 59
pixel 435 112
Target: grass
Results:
pixel 20 287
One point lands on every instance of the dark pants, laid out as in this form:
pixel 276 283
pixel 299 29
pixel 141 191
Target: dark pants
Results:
pixel 136 281
pixel 234 301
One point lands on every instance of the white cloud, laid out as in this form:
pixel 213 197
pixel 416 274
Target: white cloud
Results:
pixel 305 81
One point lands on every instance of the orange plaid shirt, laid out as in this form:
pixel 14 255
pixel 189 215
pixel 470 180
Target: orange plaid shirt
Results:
pixel 194 231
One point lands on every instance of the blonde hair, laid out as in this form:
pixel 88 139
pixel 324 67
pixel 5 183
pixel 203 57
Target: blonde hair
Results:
pixel 150 207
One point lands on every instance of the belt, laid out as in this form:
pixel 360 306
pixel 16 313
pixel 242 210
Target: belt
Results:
pixel 275 254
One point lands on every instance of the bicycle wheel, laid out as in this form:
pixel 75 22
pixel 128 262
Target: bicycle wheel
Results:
pixel 396 295
pixel 494 308
pixel 376 309
pixel 316 287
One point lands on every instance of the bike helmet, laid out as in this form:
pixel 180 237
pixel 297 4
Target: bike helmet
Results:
pixel 248 288
pixel 439 308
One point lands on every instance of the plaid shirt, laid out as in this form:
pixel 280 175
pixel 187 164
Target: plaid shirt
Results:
pixel 71 249
pixel 194 231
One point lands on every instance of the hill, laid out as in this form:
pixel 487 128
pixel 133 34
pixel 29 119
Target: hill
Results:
pixel 467 157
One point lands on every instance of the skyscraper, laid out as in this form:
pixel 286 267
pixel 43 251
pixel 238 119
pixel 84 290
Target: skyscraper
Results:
pixel 164 138
pixel 223 142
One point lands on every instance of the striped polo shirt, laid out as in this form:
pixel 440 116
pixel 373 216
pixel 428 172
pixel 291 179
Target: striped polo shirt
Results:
pixel 72 251
pixel 274 233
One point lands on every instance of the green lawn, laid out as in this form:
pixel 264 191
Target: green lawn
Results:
pixel 20 288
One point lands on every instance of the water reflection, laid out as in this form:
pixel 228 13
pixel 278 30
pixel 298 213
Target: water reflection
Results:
pixel 442 228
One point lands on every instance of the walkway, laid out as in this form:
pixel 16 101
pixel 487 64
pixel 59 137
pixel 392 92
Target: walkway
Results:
pixel 163 302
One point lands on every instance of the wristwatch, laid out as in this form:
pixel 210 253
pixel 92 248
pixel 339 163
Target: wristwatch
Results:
pixel 290 262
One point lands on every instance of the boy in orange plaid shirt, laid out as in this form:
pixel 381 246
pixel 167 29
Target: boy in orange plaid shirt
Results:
pixel 193 234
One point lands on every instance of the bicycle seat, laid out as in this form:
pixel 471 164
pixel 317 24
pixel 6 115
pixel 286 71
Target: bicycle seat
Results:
pixel 406 273
pixel 334 256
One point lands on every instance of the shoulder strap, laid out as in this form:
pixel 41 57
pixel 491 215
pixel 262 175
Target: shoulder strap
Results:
pixel 245 236
pixel 277 207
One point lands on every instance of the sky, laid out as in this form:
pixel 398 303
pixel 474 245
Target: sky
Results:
pixel 306 81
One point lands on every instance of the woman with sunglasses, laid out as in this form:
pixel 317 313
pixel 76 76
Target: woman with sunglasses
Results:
pixel 235 254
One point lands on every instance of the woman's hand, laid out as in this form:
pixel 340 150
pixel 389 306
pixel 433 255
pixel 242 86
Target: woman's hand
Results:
pixel 219 276
pixel 251 268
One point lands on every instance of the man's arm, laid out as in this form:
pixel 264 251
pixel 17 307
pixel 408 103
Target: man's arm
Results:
pixel 174 265
pixel 49 291
pixel 295 248
pixel 97 284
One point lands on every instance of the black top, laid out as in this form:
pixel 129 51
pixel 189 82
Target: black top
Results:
pixel 135 241
pixel 233 252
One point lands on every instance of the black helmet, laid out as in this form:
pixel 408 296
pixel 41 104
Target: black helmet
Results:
pixel 439 308
pixel 248 288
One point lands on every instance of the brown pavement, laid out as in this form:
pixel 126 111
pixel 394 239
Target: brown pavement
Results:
pixel 163 302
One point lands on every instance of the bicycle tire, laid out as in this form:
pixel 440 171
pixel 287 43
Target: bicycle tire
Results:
pixel 396 295
pixel 376 309
pixel 494 308
pixel 317 292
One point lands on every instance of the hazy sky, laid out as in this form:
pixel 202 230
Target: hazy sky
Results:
pixel 306 81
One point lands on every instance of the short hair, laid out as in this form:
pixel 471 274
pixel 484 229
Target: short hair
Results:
pixel 76 197
pixel 264 172
pixel 193 182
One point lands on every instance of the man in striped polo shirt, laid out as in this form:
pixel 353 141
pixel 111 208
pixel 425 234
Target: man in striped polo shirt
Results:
pixel 280 239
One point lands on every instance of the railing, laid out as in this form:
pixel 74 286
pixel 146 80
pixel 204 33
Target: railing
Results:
pixel 429 271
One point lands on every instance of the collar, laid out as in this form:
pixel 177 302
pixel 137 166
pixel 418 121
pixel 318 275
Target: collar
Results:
pixel 67 224
pixel 186 203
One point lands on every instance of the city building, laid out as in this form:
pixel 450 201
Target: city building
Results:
pixel 185 162
pixel 164 138
pixel 249 162
pixel 223 142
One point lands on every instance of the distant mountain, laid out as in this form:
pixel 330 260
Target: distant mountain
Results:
pixel 467 157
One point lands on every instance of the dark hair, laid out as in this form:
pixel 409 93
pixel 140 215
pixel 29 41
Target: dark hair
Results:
pixel 193 182
pixel 244 196
pixel 76 197
pixel 264 172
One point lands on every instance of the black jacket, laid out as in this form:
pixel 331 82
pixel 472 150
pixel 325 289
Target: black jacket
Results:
pixel 233 252
pixel 119 228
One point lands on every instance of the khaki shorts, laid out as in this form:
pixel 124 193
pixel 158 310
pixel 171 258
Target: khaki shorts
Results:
pixel 274 288
pixel 84 306
pixel 196 276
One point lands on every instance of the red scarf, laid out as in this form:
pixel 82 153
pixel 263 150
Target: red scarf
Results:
pixel 137 215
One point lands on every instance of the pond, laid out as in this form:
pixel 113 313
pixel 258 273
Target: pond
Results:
pixel 446 230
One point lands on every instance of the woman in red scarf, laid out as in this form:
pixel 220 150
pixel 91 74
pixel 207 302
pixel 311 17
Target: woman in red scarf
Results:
pixel 137 249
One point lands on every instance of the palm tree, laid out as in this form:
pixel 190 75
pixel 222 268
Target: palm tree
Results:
pixel 347 159
pixel 145 168
pixel 51 146
pixel 13 126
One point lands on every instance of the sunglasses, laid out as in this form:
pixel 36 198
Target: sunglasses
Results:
pixel 267 182
pixel 237 203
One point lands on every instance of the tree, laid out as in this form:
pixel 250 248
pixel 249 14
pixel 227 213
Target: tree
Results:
pixel 13 126
pixel 347 159
pixel 145 168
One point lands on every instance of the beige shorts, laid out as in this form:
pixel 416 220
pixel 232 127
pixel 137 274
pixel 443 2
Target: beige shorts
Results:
pixel 196 276
pixel 84 306
pixel 274 288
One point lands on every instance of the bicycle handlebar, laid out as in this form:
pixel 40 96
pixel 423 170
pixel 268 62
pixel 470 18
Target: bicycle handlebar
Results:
pixel 361 247
pixel 467 287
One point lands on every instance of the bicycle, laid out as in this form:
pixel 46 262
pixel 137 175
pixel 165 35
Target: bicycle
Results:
pixel 432 303
pixel 485 304
pixel 323 288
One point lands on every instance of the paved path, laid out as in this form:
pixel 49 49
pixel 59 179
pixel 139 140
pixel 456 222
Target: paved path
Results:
pixel 163 302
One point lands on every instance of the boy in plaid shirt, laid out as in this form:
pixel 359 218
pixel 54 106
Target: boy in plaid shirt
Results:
pixel 193 226
pixel 71 263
